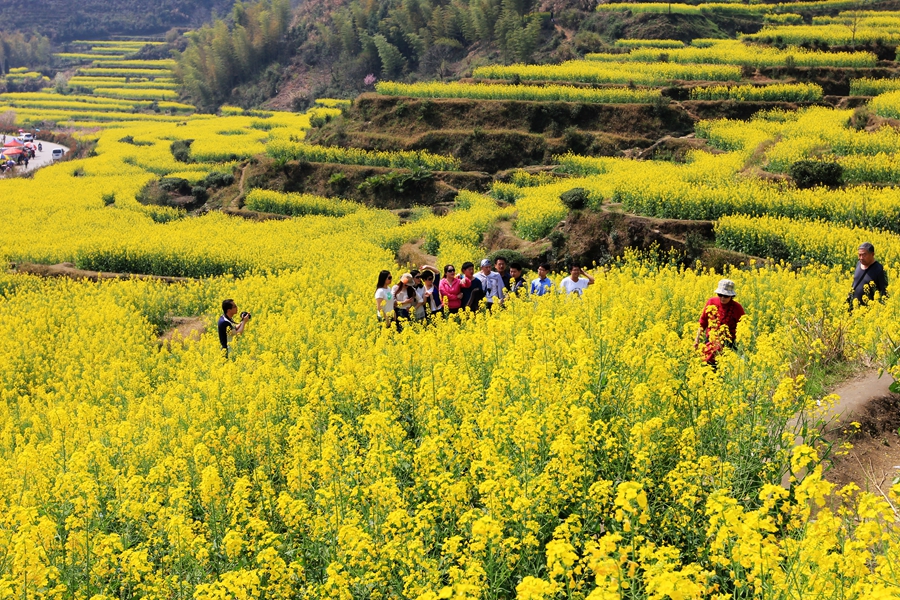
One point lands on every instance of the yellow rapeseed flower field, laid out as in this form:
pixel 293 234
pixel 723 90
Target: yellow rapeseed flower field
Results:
pixel 561 447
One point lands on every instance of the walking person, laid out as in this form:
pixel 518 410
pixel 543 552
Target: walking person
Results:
pixel 869 277
pixel 384 299
pixel 577 281
pixel 450 290
pixel 718 322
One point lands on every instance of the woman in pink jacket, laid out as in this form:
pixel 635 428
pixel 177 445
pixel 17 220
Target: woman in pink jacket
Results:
pixel 450 291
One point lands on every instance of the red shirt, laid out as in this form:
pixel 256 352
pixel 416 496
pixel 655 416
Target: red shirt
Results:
pixel 728 315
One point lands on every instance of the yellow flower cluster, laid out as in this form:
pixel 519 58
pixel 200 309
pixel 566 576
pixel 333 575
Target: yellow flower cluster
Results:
pixel 734 52
pixel 298 204
pixel 584 71
pixel 632 43
pixel 887 104
pixel 833 34
pixel 333 102
pixel 776 92
pixel 487 91
pixel 823 242
pixel 119 62
pixel 137 93
pixel 732 7
pixel 283 150
pixel 121 72
pixel 561 447
pixel 598 457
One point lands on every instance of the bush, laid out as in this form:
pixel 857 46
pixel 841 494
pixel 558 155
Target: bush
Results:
pixel 859 120
pixel 215 180
pixel 432 244
pixel 812 173
pixel 199 193
pixel 181 150
pixel 175 184
pixel 574 199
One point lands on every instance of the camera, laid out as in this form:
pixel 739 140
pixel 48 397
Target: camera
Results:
pixel 245 315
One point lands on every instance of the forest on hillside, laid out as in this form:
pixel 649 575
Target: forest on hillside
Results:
pixel 64 20
pixel 353 39
pixel 397 37
pixel 224 54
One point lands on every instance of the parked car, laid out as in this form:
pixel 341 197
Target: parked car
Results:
pixel 28 137
pixel 57 153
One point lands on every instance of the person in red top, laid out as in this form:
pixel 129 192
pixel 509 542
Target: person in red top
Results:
pixel 449 290
pixel 719 320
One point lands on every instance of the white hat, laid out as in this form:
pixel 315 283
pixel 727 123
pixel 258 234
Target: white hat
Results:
pixel 486 263
pixel 726 288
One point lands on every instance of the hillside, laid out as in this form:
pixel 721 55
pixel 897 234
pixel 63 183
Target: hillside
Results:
pixel 63 20
pixel 334 48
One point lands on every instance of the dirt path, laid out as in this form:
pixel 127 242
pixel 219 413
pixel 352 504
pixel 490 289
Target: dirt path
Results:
pixel 69 270
pixel 874 460
pixel 237 200
pixel 183 329
pixel 857 393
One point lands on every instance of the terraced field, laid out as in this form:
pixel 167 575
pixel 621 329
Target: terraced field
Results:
pixel 562 446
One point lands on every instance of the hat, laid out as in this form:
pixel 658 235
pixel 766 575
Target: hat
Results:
pixel 406 278
pixel 726 288
pixel 486 263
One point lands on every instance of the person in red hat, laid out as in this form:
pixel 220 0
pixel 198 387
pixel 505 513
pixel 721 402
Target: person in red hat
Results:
pixel 718 321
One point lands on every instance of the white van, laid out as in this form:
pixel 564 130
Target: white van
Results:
pixel 57 153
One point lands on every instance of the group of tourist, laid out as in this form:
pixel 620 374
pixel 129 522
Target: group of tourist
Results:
pixel 417 296
pixel 421 295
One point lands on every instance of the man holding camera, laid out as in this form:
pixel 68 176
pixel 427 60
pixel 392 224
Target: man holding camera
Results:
pixel 227 324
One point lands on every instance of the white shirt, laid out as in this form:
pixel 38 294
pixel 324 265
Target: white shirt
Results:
pixel 493 286
pixel 404 295
pixel 574 286
pixel 388 297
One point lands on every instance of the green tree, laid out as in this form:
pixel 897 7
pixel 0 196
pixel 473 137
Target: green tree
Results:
pixel 225 54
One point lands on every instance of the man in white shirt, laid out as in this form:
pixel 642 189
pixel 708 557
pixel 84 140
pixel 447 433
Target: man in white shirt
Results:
pixel 577 281
pixel 491 283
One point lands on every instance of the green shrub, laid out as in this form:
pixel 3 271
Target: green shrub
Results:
pixel 812 173
pixel 574 199
pixel 181 150
pixel 199 192
pixel 432 244
pixel 176 185
pixel 216 180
